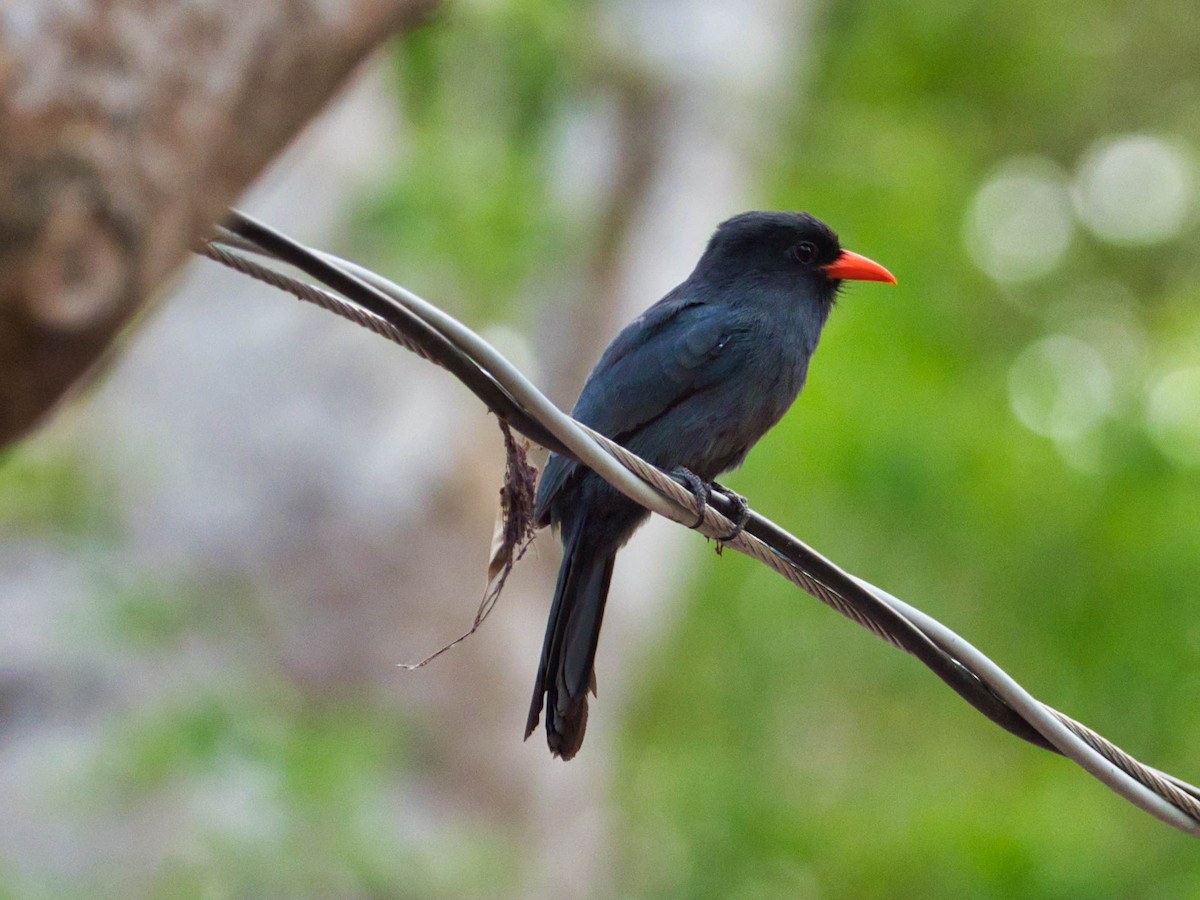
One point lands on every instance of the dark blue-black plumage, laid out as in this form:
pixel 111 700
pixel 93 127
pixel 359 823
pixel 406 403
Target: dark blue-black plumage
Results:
pixel 693 382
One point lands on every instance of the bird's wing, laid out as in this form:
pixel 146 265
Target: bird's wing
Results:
pixel 666 361
pixel 677 348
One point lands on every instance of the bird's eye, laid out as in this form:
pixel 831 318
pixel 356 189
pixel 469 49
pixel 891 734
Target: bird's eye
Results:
pixel 805 252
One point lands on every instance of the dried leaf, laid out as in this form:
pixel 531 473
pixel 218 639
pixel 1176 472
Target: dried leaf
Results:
pixel 514 530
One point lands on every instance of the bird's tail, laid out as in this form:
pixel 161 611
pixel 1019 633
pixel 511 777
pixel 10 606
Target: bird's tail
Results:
pixel 565 672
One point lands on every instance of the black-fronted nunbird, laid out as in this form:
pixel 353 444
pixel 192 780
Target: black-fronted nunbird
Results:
pixel 690 385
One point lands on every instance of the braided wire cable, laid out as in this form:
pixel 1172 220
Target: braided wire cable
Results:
pixel 310 293
pixel 398 315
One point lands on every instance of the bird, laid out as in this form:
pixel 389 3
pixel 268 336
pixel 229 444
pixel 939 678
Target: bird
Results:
pixel 690 386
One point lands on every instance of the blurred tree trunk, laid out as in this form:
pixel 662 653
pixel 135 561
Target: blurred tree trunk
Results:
pixel 126 127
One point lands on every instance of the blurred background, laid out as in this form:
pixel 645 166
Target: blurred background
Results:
pixel 211 562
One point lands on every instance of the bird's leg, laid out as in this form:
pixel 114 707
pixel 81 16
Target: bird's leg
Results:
pixel 699 489
pixel 741 512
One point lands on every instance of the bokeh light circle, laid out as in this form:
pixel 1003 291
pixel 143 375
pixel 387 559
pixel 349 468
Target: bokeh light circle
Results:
pixel 1173 415
pixel 1135 189
pixel 1019 223
pixel 1060 387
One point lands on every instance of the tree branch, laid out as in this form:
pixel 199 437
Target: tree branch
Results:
pixel 126 127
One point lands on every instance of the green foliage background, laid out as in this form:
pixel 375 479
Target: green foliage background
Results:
pixel 777 752
pixel 774 750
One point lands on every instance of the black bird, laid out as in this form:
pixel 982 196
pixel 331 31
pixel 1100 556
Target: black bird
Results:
pixel 690 385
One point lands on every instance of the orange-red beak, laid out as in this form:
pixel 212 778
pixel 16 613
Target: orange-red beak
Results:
pixel 852 267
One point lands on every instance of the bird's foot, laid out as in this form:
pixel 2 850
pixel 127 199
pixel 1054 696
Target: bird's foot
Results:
pixel 741 513
pixel 699 489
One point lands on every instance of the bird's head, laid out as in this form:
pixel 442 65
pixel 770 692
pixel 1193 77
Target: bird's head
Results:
pixel 788 247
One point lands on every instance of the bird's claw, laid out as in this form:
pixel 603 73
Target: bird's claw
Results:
pixel 699 489
pixel 741 512
pixel 703 492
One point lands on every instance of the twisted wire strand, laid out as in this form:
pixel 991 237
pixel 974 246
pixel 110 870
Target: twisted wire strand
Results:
pixel 310 293
pixel 1179 793
pixel 1168 798
pixel 714 523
